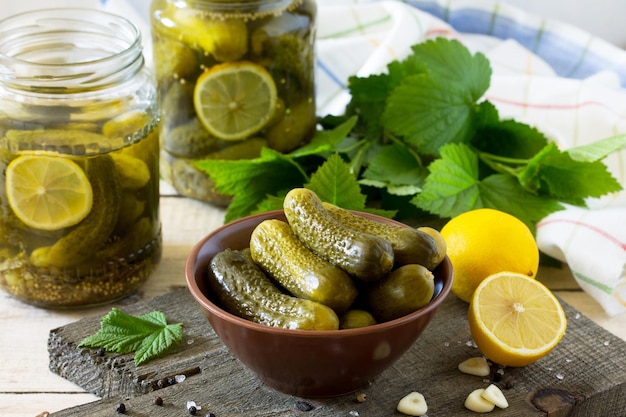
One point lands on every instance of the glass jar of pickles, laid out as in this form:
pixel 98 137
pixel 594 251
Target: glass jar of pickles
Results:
pixel 233 77
pixel 79 150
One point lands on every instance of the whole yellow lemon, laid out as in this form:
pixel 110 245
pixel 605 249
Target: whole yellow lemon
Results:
pixel 485 241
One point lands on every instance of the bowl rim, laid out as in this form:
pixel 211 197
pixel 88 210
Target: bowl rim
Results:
pixel 216 310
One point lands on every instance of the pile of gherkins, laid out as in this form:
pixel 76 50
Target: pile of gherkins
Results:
pixel 326 268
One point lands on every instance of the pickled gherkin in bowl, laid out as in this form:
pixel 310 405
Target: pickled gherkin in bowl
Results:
pixel 231 73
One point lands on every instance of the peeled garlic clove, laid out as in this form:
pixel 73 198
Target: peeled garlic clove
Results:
pixel 476 403
pixel 494 395
pixel 413 404
pixel 475 366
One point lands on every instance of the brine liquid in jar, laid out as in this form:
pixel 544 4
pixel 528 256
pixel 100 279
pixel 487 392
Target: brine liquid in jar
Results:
pixel 233 77
pixel 79 150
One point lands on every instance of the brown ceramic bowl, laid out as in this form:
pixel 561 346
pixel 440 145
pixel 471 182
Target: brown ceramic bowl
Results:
pixel 306 363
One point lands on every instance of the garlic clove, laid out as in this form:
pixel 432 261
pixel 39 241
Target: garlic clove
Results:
pixel 475 366
pixel 476 403
pixel 413 404
pixel 494 395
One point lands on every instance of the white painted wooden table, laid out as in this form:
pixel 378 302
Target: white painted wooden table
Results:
pixel 29 388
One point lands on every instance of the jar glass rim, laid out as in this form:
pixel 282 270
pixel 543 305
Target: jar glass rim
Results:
pixel 50 48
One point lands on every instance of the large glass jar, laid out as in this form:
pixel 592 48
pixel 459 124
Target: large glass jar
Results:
pixel 233 77
pixel 79 156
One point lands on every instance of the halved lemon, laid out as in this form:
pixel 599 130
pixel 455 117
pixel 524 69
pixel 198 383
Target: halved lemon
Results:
pixel 48 193
pixel 235 100
pixel 515 320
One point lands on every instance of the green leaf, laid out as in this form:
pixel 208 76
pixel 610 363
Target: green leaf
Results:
pixel 509 138
pixel 272 202
pixel 453 187
pixel 250 181
pixel 157 343
pixel 555 173
pixel 504 192
pixel 411 65
pixel 438 107
pixel 396 165
pixel 334 183
pixel 486 115
pixel 326 141
pixel 149 335
pixel 450 61
pixel 430 113
pixel 597 150
pixel 369 95
pixel 529 177
pixel 368 98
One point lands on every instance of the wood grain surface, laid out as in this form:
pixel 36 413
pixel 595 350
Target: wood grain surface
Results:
pixel 584 376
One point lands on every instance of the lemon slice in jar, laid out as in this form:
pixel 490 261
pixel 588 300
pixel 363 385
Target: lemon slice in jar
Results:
pixel 235 100
pixel 48 193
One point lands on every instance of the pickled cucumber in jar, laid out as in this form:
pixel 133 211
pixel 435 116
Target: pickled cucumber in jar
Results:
pixel 231 73
pixel 78 226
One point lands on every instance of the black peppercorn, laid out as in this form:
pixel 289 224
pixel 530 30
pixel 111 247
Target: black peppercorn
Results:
pixel 509 383
pixel 120 408
pixel 304 406
pixel 209 415
pixel 100 352
pixel 192 410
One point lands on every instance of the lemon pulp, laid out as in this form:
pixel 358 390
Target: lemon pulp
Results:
pixel 515 320
pixel 235 100
pixel 48 193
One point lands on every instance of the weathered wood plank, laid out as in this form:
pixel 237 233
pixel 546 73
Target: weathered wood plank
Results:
pixel 584 376
pixel 114 374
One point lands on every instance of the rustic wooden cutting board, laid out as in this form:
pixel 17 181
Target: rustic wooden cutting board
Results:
pixel 584 376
